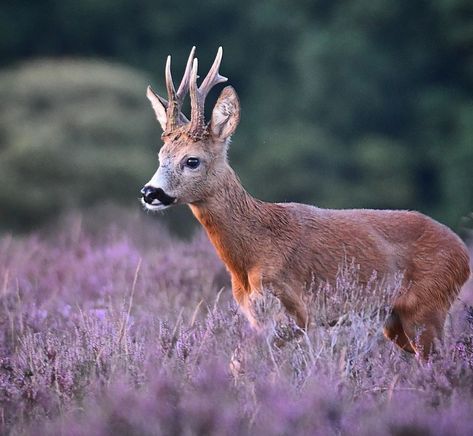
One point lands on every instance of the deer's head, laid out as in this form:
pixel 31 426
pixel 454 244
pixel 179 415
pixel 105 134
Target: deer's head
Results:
pixel 194 152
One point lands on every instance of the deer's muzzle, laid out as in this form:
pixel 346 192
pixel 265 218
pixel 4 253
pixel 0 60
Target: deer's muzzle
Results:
pixel 150 194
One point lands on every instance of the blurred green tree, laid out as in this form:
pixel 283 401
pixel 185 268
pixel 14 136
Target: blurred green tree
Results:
pixel 367 103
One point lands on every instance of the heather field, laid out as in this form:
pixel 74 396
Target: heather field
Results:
pixel 124 329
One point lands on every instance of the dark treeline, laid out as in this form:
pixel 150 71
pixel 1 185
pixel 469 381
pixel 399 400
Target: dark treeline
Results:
pixel 364 103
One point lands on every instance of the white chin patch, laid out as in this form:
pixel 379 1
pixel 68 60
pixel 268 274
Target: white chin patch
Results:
pixel 156 206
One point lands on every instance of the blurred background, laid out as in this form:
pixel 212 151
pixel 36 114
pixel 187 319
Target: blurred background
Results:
pixel 361 103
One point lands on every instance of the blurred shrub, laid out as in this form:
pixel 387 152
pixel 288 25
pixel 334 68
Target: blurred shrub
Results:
pixel 73 133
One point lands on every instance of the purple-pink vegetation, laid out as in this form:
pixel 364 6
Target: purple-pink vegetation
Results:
pixel 119 334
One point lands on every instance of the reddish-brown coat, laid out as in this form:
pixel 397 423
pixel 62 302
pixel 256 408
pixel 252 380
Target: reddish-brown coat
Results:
pixel 285 246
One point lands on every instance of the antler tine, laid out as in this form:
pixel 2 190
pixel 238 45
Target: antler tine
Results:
pixel 197 113
pixel 193 79
pixel 173 108
pixel 169 83
pixel 184 86
pixel 198 95
pixel 213 77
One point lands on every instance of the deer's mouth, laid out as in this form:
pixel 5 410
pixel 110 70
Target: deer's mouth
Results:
pixel 156 205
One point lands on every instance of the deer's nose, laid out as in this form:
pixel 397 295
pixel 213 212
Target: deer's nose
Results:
pixel 149 194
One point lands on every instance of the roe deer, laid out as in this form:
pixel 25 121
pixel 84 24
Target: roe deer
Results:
pixel 285 245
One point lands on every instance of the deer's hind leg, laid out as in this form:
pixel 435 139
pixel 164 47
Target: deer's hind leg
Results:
pixel 394 331
pixel 421 317
pixel 423 328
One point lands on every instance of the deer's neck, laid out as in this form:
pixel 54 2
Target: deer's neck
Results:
pixel 236 224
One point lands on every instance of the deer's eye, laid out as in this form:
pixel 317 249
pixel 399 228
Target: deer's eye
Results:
pixel 192 162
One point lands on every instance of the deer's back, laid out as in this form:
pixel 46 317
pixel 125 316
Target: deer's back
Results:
pixel 385 241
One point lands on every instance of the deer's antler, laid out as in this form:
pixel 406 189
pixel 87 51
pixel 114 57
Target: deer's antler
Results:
pixel 175 117
pixel 198 94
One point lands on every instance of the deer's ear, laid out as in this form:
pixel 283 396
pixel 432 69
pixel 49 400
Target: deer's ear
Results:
pixel 225 115
pixel 158 106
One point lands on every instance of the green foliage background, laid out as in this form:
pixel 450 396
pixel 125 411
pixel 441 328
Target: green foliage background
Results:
pixel 362 103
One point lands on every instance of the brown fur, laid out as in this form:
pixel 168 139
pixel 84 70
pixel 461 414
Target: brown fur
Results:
pixel 286 245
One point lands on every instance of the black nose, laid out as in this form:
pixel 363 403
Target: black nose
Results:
pixel 149 194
